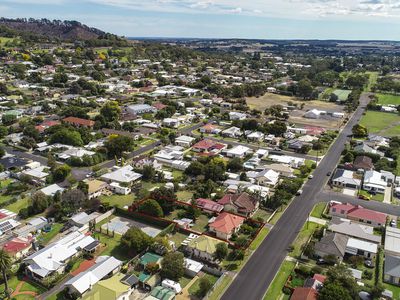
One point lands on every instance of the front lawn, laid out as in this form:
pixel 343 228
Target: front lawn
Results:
pixel 318 210
pixel 302 238
pixel 262 215
pixel 275 289
pixel 220 289
pixel 195 287
pixel 386 99
pixel 260 237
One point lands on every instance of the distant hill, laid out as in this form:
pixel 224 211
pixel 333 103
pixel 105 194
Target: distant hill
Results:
pixel 56 29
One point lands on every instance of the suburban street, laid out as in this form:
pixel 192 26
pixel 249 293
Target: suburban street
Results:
pixel 254 279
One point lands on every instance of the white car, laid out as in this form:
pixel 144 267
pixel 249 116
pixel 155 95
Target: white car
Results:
pixel 311 177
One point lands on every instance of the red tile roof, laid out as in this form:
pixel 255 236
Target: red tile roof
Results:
pixel 359 212
pixel 303 293
pixel 209 127
pixel 205 144
pixel 244 202
pixel 227 222
pixel 209 205
pixel 346 207
pixel 159 106
pixel 79 121
pixel 2 215
pixel 321 278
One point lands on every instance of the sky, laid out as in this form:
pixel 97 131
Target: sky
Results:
pixel 260 19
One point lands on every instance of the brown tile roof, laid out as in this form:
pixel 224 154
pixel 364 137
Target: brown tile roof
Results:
pixel 79 121
pixel 244 202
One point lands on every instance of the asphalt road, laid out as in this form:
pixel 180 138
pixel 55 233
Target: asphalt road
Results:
pixel 253 280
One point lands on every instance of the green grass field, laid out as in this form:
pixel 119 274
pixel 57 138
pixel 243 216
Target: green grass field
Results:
pixel 386 124
pixel 17 206
pixel 388 99
pixel 301 240
pixel 119 200
pixel 342 94
pixel 275 289
pixel 318 210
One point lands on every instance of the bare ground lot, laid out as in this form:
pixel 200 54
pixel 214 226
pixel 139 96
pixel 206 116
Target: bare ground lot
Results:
pixel 296 116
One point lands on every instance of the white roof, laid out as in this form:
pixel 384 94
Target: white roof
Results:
pixel 392 240
pixel 362 245
pixel 36 173
pixel 238 150
pixel 52 257
pixel 124 174
pixel 175 286
pixel 77 152
pixel 51 190
pixel 374 178
pixel 193 265
pixel 185 138
pixel 104 265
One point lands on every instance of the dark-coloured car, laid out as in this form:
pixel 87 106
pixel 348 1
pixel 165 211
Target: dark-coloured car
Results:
pixel 369 264
pixel 329 174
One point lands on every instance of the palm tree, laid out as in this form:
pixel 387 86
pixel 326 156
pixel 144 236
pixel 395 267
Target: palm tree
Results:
pixel 5 264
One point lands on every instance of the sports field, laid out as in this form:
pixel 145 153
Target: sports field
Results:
pixel 385 124
pixel 388 99
pixel 342 94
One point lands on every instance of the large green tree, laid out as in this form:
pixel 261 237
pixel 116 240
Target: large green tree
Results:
pixel 5 265
pixel 111 111
pixel 135 240
pixel 172 266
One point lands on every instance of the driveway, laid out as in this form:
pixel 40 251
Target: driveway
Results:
pixel 349 192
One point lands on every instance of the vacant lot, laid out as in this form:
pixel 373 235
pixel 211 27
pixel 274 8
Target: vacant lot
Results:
pixel 386 99
pixel 385 124
pixel 296 116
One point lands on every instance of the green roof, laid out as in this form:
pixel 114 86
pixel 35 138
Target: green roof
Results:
pixel 110 288
pixel 204 243
pixel 149 258
pixel 143 277
pixel 162 293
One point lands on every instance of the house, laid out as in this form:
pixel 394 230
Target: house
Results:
pixel 105 266
pixel 233 115
pixel 364 148
pixel 345 179
pixel 171 122
pixel 123 175
pixel 118 189
pixel 355 230
pixel 391 271
pixel 357 213
pixel 74 152
pixel 53 258
pixel 32 226
pixel 192 267
pixel 232 132
pixel 96 188
pixel 225 225
pixel 256 136
pixel 148 258
pixel 283 169
pixel 161 293
pixel 202 247
pixel 208 205
pixel 363 162
pixel 373 182
pixel 304 293
pixel 184 141
pixel 8 225
pixel 139 109
pixel 392 241
pixel 332 244
pixel 362 248
pixel 210 129
pixel 78 122
pixel 171 285
pixel 208 146
pixel 297 144
pixel 18 247
pixel 114 287
pixel 81 219
pixel 238 151
pixel 52 189
pixel 148 282
pixel 242 204
pixel 266 177
pixel 294 162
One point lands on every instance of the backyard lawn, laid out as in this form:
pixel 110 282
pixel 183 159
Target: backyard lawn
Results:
pixel 318 210
pixel 113 247
pixel 275 289
pixel 46 237
pixel 302 238
pixel 177 238
pixel 119 200
pixel 342 94
pixel 18 205
pixel 184 196
pixel 262 214
pixel 386 124
pixel 27 286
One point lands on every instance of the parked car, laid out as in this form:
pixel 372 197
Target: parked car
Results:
pixel 299 192
pixel 329 174
pixel 393 223
pixel 364 197
pixel 321 261
pixel 311 177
